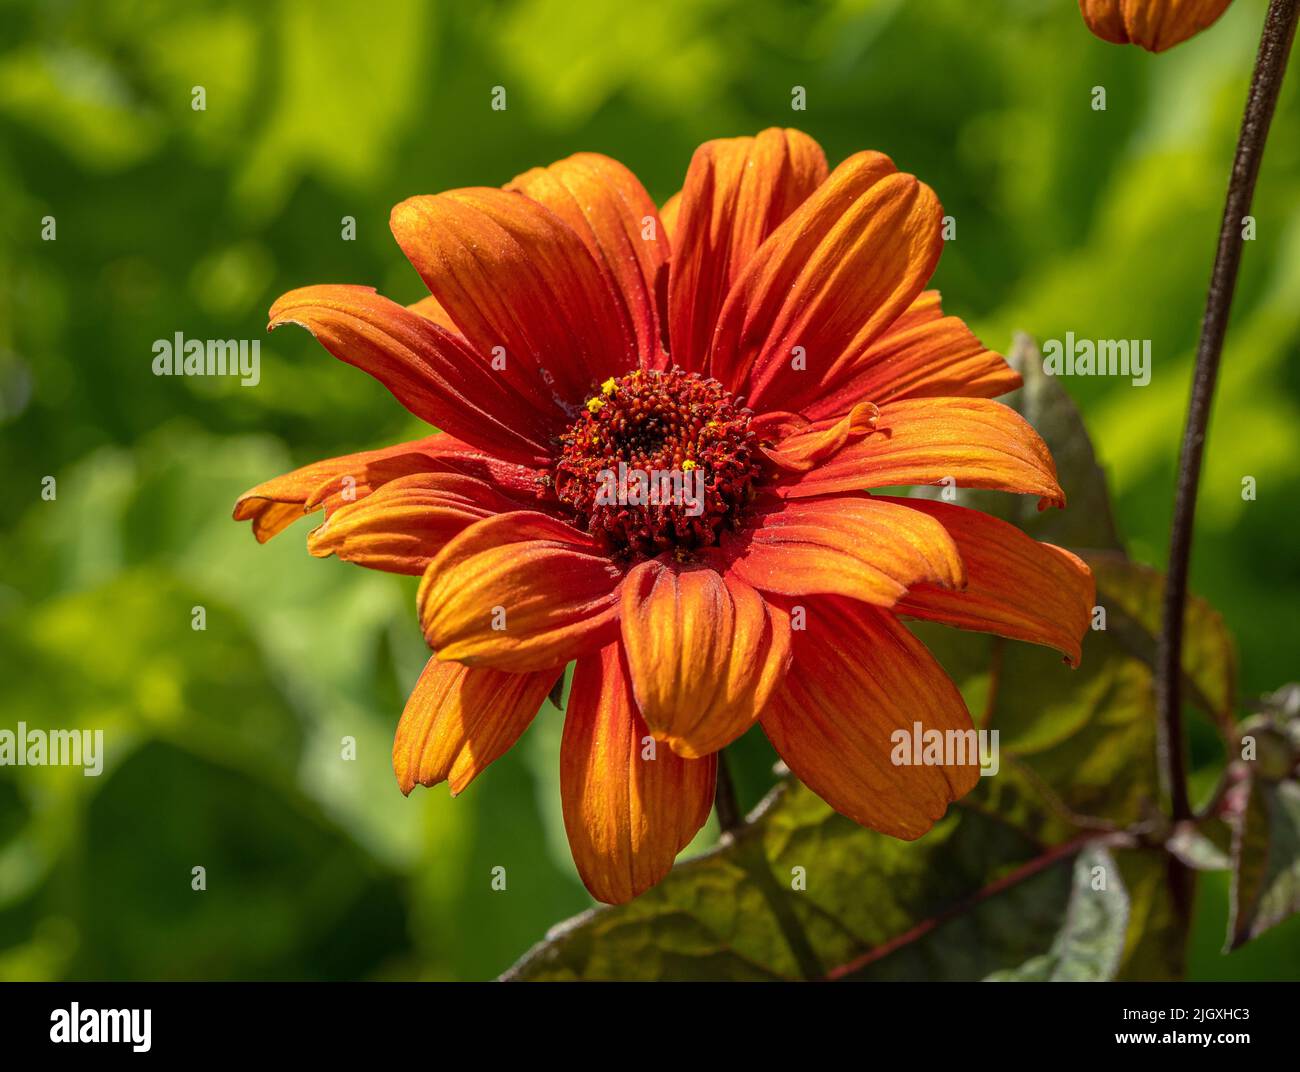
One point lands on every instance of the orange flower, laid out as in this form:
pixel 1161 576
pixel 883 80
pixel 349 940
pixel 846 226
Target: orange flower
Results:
pixel 1154 24
pixel 765 339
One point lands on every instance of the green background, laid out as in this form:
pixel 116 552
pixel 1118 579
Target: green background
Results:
pixel 224 745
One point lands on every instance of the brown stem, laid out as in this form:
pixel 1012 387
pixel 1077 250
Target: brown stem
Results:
pixel 1270 66
pixel 724 798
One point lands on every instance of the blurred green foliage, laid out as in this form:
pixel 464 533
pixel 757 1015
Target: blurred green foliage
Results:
pixel 224 745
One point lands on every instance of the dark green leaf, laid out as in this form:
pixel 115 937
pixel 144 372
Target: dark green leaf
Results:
pixel 1266 860
pixel 972 897
pixel 1091 941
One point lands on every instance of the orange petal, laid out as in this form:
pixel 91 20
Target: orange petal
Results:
pixel 970 442
pixel 827 284
pixel 459 719
pixel 1153 24
pixel 274 505
pixel 453 455
pixel 431 309
pixel 849 545
pixel 430 371
pixel 668 214
pixel 737 192
pixel 809 443
pixel 406 522
pixel 1016 587
pixel 521 285
pixel 859 685
pixel 705 652
pixel 627 815
pixel 921 355
pixel 518 591
pixel 608 208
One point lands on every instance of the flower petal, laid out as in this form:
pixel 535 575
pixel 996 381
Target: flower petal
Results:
pixel 850 545
pixel 459 719
pixel 1155 25
pixel 519 591
pixel 668 214
pixel 520 284
pixel 801 444
pixel 609 209
pixel 274 505
pixel 922 354
pixel 406 522
pixel 972 442
pixel 705 652
pixel 859 679
pixel 827 284
pixel 1016 587
pixel 737 192
pixel 431 309
pixel 627 816
pixel 452 455
pixel 431 372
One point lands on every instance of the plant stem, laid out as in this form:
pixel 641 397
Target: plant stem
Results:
pixel 724 798
pixel 1270 66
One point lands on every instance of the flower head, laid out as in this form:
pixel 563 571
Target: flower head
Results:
pixel 1153 24
pixel 659 432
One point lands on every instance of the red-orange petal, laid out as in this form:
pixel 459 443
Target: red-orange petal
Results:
pixel 968 442
pixel 609 209
pixel 859 685
pixel 802 444
pixel 519 591
pixel 668 213
pixel 275 504
pixel 827 284
pixel 704 650
pixel 459 719
pixel 923 354
pixel 521 285
pixel 736 193
pixel 850 545
pixel 630 804
pixel 406 522
pixel 431 371
pixel 1155 25
pixel 431 309
pixel 1015 586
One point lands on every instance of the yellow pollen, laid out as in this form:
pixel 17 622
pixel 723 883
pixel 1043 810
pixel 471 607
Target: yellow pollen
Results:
pixel 688 465
pixel 609 387
pixel 595 404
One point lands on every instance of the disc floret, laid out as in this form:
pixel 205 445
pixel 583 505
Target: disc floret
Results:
pixel 659 461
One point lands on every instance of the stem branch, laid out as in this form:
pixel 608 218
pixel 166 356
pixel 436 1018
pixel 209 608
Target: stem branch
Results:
pixel 1270 65
pixel 724 798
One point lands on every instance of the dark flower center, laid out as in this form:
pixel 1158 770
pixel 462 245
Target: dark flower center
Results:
pixel 659 461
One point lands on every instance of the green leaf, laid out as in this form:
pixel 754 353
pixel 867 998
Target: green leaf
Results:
pixel 1091 942
pixel 1196 850
pixel 1132 594
pixel 1155 948
pixel 1266 860
pixel 1262 807
pixel 804 893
